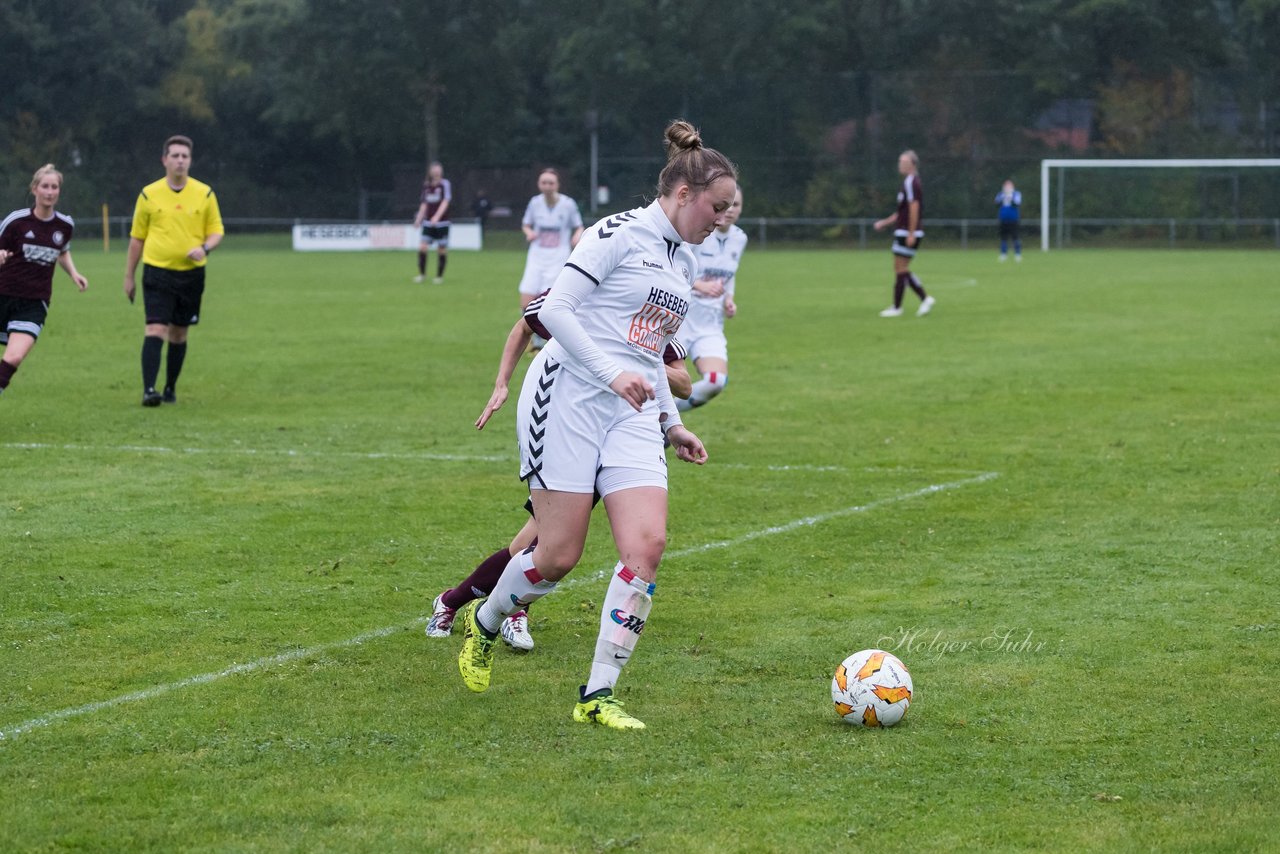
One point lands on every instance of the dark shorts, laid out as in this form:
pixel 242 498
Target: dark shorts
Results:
pixel 21 314
pixel 1008 229
pixel 172 296
pixel 900 246
pixel 436 235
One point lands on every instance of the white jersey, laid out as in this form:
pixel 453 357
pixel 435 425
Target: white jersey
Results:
pixel 554 227
pixel 643 275
pixel 718 258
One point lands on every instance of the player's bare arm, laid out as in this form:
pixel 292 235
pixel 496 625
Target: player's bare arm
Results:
pixel 517 340
pixel 710 287
pixel 65 262
pixel 679 380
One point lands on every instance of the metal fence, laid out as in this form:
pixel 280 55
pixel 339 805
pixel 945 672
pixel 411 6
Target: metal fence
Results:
pixel 968 232
pixel 964 233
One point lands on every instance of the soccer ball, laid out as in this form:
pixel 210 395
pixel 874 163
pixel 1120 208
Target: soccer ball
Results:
pixel 871 688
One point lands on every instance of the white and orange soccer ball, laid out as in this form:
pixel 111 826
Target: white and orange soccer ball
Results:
pixel 871 688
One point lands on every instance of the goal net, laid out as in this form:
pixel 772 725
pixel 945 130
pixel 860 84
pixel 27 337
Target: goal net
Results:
pixel 1178 200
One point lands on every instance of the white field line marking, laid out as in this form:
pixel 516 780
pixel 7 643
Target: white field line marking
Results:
pixel 285 452
pixel 202 679
pixel 390 455
pixel 294 655
pixel 806 522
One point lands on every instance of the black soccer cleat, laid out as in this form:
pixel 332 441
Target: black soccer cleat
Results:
pixel 169 396
pixel 151 397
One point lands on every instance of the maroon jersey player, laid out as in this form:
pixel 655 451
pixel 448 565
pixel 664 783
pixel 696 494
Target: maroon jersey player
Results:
pixel 908 232
pixel 515 629
pixel 32 240
pixel 433 217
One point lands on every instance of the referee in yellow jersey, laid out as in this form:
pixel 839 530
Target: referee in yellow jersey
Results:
pixel 176 224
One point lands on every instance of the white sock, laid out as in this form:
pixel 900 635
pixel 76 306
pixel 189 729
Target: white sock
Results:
pixel 627 603
pixel 518 588
pixel 704 389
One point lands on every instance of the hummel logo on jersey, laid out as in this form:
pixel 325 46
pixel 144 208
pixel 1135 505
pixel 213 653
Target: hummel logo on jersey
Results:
pixel 30 235
pixel 651 265
pixel 628 621
pixel 613 223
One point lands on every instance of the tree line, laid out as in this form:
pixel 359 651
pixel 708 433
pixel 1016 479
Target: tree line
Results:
pixel 300 106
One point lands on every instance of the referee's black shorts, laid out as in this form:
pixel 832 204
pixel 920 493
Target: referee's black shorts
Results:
pixel 172 296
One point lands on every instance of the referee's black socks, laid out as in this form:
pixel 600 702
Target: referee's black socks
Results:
pixel 151 347
pixel 173 367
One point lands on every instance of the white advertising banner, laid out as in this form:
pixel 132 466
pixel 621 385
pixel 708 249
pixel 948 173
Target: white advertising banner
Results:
pixel 364 237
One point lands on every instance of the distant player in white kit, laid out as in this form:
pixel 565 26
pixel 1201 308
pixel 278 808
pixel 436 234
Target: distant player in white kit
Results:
pixel 592 413
pixel 702 332
pixel 552 226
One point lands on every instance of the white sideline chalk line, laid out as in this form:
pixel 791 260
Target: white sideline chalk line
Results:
pixel 249 452
pixel 396 455
pixel 202 679
pixel 294 655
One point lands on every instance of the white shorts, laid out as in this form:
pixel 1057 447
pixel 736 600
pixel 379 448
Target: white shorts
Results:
pixel 702 334
pixel 574 436
pixel 540 274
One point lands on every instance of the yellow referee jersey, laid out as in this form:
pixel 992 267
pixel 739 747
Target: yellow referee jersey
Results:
pixel 171 223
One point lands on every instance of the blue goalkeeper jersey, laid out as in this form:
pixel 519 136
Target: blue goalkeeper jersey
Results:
pixel 1009 204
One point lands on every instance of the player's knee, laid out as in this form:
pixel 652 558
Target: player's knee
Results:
pixel 554 561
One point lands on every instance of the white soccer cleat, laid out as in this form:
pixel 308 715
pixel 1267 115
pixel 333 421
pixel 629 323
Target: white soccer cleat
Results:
pixel 925 307
pixel 441 623
pixel 438 280
pixel 418 279
pixel 515 631
pixel 891 312
pixel 1003 258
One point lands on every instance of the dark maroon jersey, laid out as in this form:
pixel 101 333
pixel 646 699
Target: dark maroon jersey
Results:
pixel 34 245
pixel 675 351
pixel 911 192
pixel 433 196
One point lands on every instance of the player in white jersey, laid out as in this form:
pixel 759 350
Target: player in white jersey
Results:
pixel 552 226
pixel 702 332
pixel 592 411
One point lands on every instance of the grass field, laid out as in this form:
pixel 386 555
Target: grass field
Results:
pixel 1055 498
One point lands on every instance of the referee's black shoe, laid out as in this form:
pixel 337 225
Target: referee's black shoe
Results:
pixel 169 396
pixel 151 397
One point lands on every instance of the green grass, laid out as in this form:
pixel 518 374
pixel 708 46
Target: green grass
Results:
pixel 322 481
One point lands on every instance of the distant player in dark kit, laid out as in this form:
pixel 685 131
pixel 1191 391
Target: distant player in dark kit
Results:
pixel 433 216
pixel 908 232
pixel 1010 201
pixel 176 225
pixel 32 240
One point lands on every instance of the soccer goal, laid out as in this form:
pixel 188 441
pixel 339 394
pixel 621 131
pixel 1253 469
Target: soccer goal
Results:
pixel 1047 167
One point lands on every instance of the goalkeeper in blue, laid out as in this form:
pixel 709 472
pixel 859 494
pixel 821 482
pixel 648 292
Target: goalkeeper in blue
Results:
pixel 1010 201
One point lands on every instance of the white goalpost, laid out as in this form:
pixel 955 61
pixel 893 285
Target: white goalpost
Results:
pixel 1047 165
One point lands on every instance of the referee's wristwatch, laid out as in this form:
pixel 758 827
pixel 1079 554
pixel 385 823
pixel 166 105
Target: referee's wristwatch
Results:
pixel 205 247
